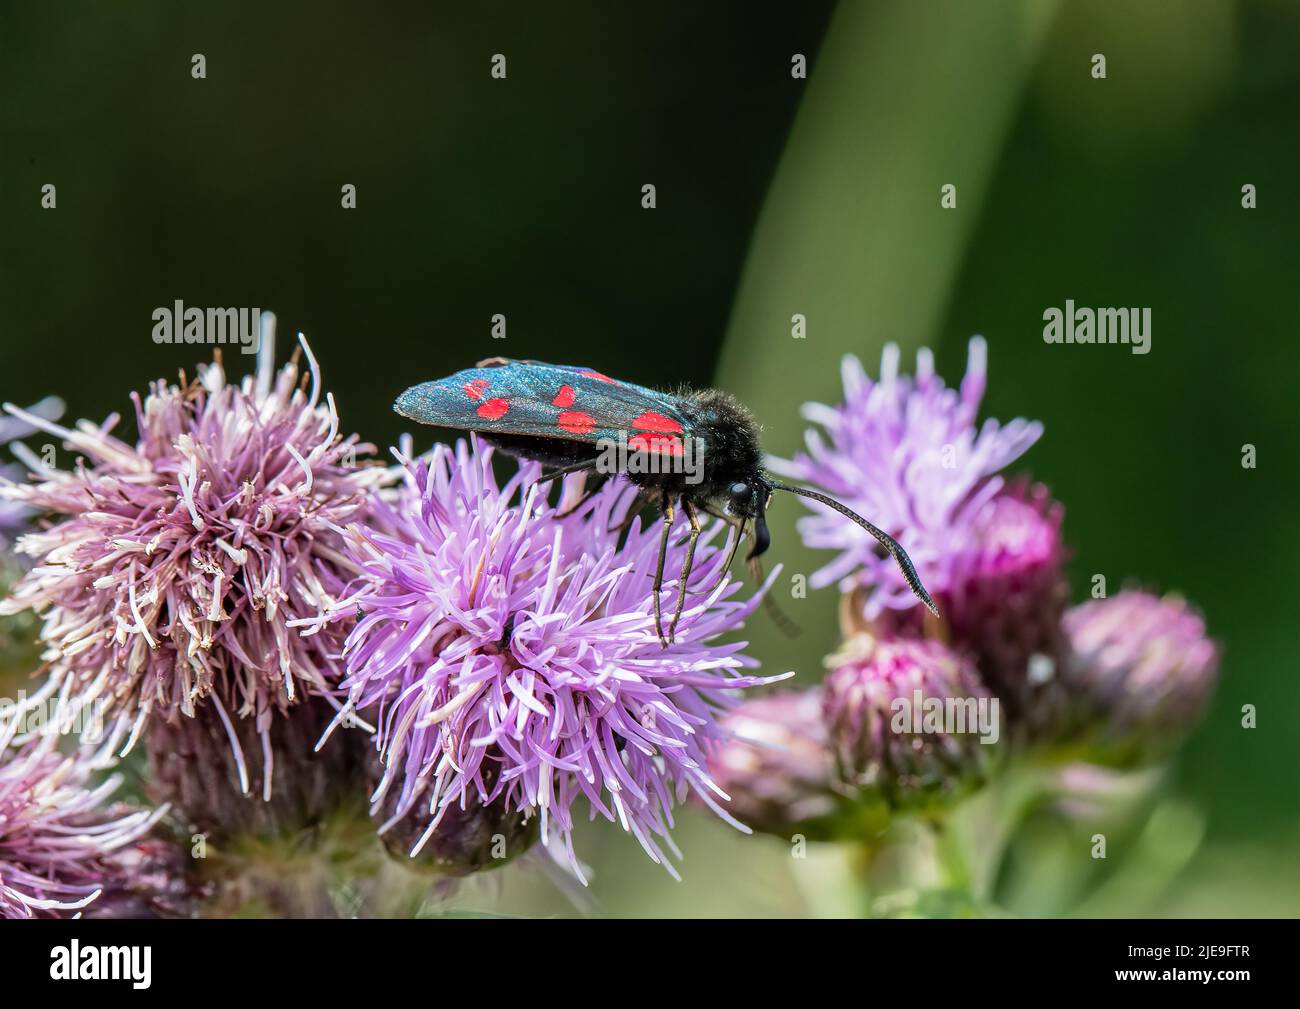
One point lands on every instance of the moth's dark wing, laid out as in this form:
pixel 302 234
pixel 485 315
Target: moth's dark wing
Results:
pixel 664 399
pixel 548 401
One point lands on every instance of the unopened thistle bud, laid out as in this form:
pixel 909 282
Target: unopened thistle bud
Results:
pixel 216 773
pixel 463 839
pixel 1142 671
pixel 908 719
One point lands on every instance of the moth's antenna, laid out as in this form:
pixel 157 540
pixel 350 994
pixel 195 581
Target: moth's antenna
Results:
pixel 734 535
pixel 888 542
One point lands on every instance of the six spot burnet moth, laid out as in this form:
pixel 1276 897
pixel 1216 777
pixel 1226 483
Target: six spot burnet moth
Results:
pixel 565 417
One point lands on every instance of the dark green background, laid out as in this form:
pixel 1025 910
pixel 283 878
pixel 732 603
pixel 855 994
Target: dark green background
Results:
pixel 775 196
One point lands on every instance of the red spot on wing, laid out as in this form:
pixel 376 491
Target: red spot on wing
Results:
pixel 662 444
pixel 656 422
pixel 475 389
pixel 596 374
pixel 565 397
pixel 493 409
pixel 576 422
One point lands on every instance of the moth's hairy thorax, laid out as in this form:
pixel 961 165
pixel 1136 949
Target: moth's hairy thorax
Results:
pixel 730 435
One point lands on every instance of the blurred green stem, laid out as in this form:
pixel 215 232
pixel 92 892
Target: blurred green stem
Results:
pixel 947 865
pixel 980 829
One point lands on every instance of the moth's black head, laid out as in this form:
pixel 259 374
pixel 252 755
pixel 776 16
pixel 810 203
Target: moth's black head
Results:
pixel 747 499
pixel 733 461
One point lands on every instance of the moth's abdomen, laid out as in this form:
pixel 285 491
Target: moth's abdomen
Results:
pixel 550 452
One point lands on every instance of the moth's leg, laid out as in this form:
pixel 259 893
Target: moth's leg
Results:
pixel 659 569
pixel 686 566
pixel 550 476
pixel 587 494
pixel 577 467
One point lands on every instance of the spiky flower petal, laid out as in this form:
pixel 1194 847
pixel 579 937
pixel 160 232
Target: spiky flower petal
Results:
pixel 61 846
pixel 14 516
pixel 18 630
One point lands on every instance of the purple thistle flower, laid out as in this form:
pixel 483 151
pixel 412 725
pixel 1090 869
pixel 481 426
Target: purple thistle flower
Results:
pixel 180 561
pixel 905 453
pixel 511 655
pixel 905 718
pixel 60 847
pixel 776 764
pixel 1142 669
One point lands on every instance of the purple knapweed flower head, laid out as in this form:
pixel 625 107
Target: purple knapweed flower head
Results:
pixel 61 847
pixel 909 720
pixel 1142 670
pixel 776 765
pixel 509 655
pixel 905 453
pixel 177 562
